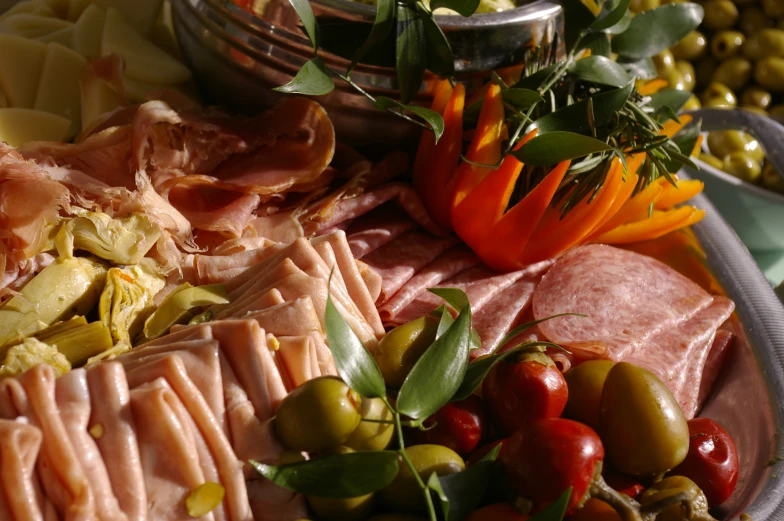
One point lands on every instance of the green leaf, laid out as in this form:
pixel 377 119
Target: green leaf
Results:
pixel 435 486
pixel 455 297
pixel 653 31
pixel 477 370
pixel 411 52
pixel 445 321
pixel 311 80
pixel 528 325
pixel 535 80
pixel 574 118
pixel 354 363
pixel 556 511
pixel 464 7
pixel 601 70
pixel 462 492
pixel 521 99
pixel 383 24
pixel 308 19
pixel 335 476
pixel 621 26
pixel 613 17
pixel 643 69
pixel 673 98
pixel 431 117
pixel 598 43
pixel 438 372
pixel 685 140
pixel 552 148
pixel 440 59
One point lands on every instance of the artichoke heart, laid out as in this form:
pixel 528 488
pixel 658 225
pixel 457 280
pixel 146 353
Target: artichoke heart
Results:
pixel 183 303
pixel 126 301
pixel 30 353
pixel 65 288
pixel 82 343
pixel 122 241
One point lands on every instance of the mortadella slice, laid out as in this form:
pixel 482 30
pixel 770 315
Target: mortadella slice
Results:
pixel 19 446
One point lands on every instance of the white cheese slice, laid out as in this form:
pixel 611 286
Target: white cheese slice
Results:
pixel 163 34
pixel 144 61
pixel 18 126
pixel 140 14
pixel 21 61
pixel 63 37
pixel 59 90
pixel 76 8
pixel 59 7
pixel 32 25
pixel 88 32
pixel 98 98
pixel 29 6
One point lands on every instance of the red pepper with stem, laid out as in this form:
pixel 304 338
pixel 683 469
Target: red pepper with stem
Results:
pixel 458 425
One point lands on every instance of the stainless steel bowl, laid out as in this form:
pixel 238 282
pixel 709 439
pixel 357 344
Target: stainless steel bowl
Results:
pixel 238 56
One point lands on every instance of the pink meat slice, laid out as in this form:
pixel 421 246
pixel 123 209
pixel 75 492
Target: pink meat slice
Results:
pixel 300 359
pixel 215 269
pixel 270 502
pixel 111 410
pixel 499 316
pixel 372 280
pixel 376 229
pixel 73 401
pixel 628 298
pixel 481 284
pixel 64 481
pixel 19 446
pixel 447 265
pixel 715 361
pixel 398 261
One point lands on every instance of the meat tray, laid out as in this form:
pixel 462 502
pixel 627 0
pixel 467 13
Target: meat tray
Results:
pixel 748 397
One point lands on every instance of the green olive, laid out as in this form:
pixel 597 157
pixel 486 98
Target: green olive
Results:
pixel 638 6
pixel 372 435
pixel 641 424
pixel 743 2
pixel 720 15
pixel 396 517
pixel 734 72
pixel 692 47
pixel 772 180
pixel 773 8
pixel 752 19
pixel 755 97
pixel 692 103
pixel 742 166
pixel 764 43
pixel 689 75
pixel 719 92
pixel 585 383
pixel 287 457
pixel 712 160
pixel 404 493
pixel 777 111
pixel 320 414
pixel 674 79
pixel 722 143
pixel 769 73
pixel 705 68
pixel 726 44
pixel 348 509
pixel 664 61
pixel 693 506
pixel 400 349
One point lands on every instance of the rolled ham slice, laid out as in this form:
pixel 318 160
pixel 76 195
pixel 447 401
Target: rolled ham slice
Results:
pixel 19 446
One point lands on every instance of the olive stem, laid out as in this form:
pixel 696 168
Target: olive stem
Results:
pixel 627 508
pixel 431 509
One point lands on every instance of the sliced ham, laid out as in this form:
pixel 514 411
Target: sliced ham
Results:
pixel 446 266
pixel 111 415
pixel 270 502
pixel 399 260
pixel 279 227
pixel 372 280
pixel 19 446
pixel 629 298
pixel 299 358
pixel 214 209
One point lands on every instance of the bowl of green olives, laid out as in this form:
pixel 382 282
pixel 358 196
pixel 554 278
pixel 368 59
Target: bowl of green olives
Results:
pixel 741 164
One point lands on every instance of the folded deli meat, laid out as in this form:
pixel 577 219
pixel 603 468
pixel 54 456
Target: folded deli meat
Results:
pixel 282 217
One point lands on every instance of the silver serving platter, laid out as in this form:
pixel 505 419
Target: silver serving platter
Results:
pixel 238 56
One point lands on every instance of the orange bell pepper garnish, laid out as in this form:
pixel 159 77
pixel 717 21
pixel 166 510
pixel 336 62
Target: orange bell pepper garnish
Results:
pixel 629 183
pixel 480 209
pixel 633 207
pixel 684 191
pixel 660 223
pixel 551 239
pixel 427 142
pixel 672 127
pixel 503 245
pixel 652 87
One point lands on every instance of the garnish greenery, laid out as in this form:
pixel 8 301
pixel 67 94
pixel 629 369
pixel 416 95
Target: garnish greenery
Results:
pixel 589 106
pixel 442 374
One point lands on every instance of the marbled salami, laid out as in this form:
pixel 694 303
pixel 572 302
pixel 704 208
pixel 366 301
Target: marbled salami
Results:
pixel 376 229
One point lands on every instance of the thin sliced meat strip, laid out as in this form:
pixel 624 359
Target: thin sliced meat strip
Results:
pixel 111 414
pixel 714 363
pixel 398 261
pixel 375 229
pixel 19 446
pixel 372 280
pixel 446 266
pixel 628 298
pixel 73 401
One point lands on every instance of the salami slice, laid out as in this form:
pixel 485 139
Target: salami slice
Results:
pixel 628 298
pixel 376 229
pixel 713 364
pixel 402 258
pixel 498 317
pixel 447 265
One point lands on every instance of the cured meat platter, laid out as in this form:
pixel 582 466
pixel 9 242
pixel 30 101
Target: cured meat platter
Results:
pixel 512 304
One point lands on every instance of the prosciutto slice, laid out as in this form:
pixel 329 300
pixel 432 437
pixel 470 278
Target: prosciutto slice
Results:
pixel 19 446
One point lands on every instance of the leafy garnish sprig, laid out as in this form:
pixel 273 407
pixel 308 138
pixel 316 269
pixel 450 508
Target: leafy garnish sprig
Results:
pixel 442 374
